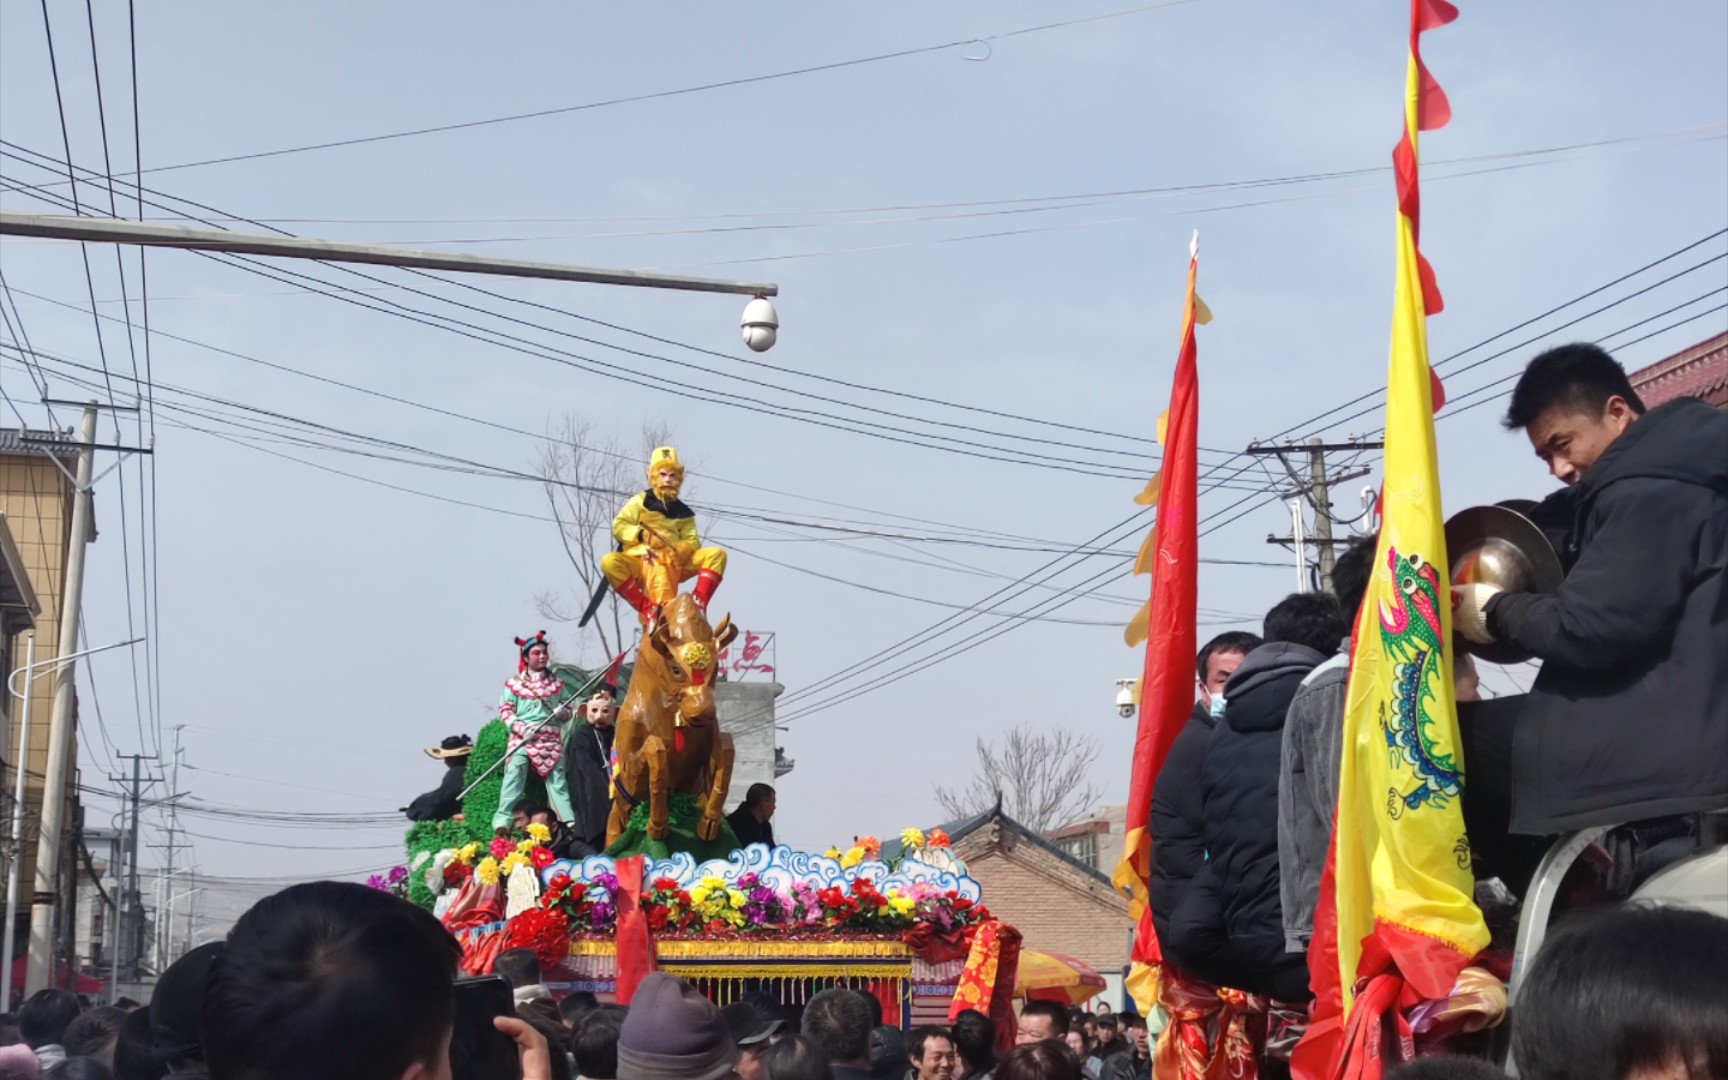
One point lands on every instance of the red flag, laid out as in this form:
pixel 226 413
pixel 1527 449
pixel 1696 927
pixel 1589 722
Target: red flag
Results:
pixel 636 955
pixel 1167 682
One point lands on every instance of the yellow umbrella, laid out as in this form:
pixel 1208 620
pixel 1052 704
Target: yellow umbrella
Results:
pixel 1050 976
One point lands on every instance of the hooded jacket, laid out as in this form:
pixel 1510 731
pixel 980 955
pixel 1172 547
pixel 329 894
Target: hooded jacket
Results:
pixel 1229 926
pixel 1628 718
pixel 1179 819
pixel 587 755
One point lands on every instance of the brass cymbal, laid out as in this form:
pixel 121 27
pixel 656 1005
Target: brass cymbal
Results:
pixel 1497 546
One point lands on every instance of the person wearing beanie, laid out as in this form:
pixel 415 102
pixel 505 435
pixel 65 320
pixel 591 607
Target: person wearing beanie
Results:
pixel 672 1032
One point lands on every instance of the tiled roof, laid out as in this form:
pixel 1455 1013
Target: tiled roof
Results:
pixel 10 443
pixel 1700 371
pixel 964 827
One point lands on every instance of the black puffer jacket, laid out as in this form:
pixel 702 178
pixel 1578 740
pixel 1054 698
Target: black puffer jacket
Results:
pixel 1229 927
pixel 1179 819
pixel 1628 717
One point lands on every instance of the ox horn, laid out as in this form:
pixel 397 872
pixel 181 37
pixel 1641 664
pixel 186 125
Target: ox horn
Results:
pixel 724 633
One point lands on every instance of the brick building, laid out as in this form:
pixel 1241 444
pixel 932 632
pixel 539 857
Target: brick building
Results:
pixel 1700 371
pixel 1057 902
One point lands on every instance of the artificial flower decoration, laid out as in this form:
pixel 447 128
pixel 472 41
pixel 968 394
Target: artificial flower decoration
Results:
pixel 938 839
pixel 539 833
pixel 872 846
pixel 853 857
pixel 833 853
pixel 501 847
pixel 511 862
pixel 541 858
pixel 912 839
pixel 487 871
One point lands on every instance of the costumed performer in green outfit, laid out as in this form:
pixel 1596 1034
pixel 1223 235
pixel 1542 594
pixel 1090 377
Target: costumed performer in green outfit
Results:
pixel 532 696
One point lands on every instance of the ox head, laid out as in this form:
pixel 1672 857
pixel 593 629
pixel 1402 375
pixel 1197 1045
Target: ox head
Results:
pixel 689 650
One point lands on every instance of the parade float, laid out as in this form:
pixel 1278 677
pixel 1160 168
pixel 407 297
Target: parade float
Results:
pixel 673 891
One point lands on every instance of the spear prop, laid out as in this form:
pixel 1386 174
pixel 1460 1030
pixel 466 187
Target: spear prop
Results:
pixel 587 688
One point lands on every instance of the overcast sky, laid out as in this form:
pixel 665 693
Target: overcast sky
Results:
pixel 1001 225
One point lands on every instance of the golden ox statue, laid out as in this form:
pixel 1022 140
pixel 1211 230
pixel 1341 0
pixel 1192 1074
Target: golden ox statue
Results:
pixel 668 736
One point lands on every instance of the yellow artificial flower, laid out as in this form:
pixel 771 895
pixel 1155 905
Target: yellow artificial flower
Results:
pixel 852 858
pixel 735 898
pixel 487 871
pixel 714 884
pixel 911 839
pixel 512 861
pixel 525 846
pixel 539 833
pixel 470 851
pixel 833 853
pixel 698 895
pixel 903 905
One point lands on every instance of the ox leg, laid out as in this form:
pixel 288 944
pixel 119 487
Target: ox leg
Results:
pixel 659 781
pixel 720 773
pixel 629 779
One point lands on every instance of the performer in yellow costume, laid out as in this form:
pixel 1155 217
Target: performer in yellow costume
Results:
pixel 657 544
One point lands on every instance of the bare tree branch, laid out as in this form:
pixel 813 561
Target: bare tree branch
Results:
pixel 1041 776
pixel 587 477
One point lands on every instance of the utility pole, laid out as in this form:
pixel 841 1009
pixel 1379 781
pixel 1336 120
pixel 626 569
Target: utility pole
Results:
pixel 1316 489
pixel 1320 496
pixel 132 929
pixel 49 843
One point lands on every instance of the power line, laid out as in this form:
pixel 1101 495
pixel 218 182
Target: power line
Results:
pixel 659 94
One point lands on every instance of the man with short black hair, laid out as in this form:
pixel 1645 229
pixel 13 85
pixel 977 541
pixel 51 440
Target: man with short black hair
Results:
pixel 521 969
pixel 1041 1020
pixel 1229 926
pixel 752 821
pixel 931 1052
pixel 334 979
pixel 594 1042
pixel 1136 1064
pixel 839 1022
pixel 1628 717
pixel 975 1042
pixel 1178 808
pixel 1311 750
pixel 42 1022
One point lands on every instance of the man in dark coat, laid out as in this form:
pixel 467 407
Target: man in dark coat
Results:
pixel 753 822
pixel 445 801
pixel 1229 926
pixel 588 768
pixel 1178 811
pixel 1628 717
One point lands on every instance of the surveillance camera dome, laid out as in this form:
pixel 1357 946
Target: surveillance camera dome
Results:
pixel 760 324
pixel 1125 702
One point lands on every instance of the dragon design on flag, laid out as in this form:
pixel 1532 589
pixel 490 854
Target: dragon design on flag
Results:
pixel 1411 634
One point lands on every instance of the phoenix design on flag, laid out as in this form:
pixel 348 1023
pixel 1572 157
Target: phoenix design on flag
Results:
pixel 1411 635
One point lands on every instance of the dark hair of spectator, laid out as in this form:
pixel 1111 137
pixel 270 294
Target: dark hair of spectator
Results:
pixel 1310 619
pixel 1105 1020
pixel 330 979
pixel 93 1032
pixel 1047 1060
pixel 1238 641
pixel 529 807
pixel 874 1004
pixel 594 1043
pixel 1624 991
pixel 757 795
pixel 1447 1067
pixel 915 1041
pixel 1132 1021
pixel 124 1002
pixel 573 1007
pixel 542 1011
pixel 133 1059
pixel 9 1030
pixel 1351 572
pixel 1576 378
pixel 797 1057
pixel 79 1068
pixel 1056 1013
pixel 43 1019
pixel 553 1032
pixel 839 1022
pixel 975 1039
pixel 520 967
